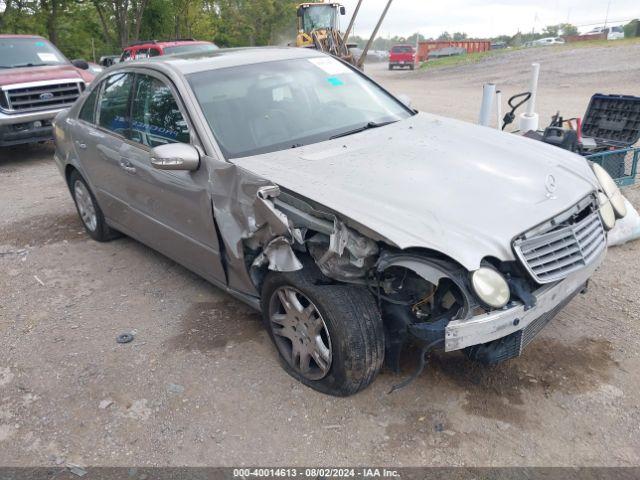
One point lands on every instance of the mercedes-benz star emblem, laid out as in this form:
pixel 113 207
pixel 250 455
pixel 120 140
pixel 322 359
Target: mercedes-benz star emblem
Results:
pixel 551 185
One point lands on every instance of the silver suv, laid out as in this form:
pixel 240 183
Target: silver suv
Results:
pixel 355 224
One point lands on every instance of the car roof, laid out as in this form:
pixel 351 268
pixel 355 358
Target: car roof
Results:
pixel 193 62
pixel 172 43
pixel 12 35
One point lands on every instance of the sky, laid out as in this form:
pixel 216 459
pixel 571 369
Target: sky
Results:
pixel 485 18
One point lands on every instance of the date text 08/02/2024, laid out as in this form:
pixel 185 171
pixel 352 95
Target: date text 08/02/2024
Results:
pixel 315 472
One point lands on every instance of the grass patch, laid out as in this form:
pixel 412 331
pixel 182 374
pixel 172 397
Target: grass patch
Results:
pixel 604 43
pixel 467 59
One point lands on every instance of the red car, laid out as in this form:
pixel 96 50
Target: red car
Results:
pixel 402 56
pixel 153 48
pixel 36 83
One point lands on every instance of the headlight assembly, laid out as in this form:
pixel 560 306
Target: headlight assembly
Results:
pixel 611 190
pixel 490 287
pixel 607 214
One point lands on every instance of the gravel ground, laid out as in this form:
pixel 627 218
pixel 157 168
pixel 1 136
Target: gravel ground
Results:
pixel 200 384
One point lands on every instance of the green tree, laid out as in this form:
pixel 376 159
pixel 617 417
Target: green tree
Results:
pixel 632 29
pixel 568 29
pixel 445 36
pixel 459 36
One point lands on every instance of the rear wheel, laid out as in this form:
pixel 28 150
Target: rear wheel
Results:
pixel 89 210
pixel 329 337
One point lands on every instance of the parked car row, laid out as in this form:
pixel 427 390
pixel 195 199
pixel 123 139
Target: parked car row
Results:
pixel 37 81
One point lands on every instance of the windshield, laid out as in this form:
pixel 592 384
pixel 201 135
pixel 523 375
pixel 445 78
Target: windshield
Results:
pixel 273 106
pixel 28 52
pixel 319 18
pixel 197 47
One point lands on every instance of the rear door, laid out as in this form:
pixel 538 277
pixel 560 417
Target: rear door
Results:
pixel 172 209
pixel 101 129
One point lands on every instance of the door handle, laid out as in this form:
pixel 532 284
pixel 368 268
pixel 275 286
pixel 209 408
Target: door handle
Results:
pixel 81 145
pixel 127 167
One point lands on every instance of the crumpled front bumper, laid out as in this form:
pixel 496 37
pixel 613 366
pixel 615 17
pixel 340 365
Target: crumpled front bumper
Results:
pixel 495 325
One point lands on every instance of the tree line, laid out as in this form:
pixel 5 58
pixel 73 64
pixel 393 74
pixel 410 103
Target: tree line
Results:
pixel 91 28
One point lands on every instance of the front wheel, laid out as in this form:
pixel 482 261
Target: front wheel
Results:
pixel 329 337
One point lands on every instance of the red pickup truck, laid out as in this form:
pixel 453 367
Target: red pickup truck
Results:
pixel 36 82
pixel 402 56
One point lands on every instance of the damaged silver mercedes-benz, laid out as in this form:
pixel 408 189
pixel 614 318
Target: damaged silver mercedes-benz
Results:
pixel 358 226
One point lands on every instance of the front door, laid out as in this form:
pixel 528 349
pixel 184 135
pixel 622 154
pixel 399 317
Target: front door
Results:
pixel 173 211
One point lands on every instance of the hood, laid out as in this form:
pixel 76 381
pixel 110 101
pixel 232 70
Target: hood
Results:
pixel 436 183
pixel 38 74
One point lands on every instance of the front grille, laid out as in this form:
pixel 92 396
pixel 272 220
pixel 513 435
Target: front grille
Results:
pixel 564 247
pixel 41 96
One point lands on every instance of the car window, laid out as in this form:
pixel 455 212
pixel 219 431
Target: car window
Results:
pixel 273 106
pixel 402 49
pixel 156 118
pixel 87 113
pixel 154 52
pixel 114 103
pixel 142 53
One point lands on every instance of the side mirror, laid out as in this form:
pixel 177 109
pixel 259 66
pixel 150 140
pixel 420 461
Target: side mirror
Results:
pixel 343 11
pixel 405 99
pixel 175 156
pixel 81 64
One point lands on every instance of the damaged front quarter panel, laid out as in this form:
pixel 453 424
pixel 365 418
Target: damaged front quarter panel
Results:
pixel 252 232
pixel 261 229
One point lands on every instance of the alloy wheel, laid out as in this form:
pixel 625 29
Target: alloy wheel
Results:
pixel 300 333
pixel 86 208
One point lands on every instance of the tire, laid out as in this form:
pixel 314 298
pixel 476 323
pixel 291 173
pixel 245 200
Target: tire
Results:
pixel 352 324
pixel 390 67
pixel 84 199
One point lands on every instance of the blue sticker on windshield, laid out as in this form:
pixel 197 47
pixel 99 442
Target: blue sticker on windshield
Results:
pixel 335 81
pixel 40 44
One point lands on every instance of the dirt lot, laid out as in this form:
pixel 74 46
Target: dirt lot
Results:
pixel 200 384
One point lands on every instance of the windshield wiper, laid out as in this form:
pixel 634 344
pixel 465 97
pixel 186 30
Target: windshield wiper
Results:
pixel 363 128
pixel 29 65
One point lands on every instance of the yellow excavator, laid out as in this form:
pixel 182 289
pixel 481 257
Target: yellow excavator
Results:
pixel 319 28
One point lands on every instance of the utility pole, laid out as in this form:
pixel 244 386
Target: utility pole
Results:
pixel 353 19
pixel 373 35
pixel 606 18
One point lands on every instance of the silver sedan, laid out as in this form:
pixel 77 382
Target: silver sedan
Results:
pixel 357 225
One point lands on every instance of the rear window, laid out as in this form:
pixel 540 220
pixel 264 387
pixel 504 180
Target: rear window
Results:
pixel 405 49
